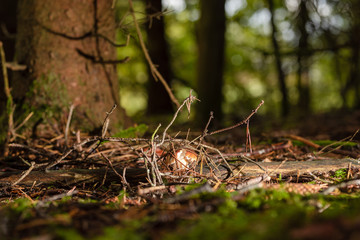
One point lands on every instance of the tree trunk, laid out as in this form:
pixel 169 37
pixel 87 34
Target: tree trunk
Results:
pixel 278 61
pixel 353 79
pixel 7 37
pixel 211 41
pixel 8 27
pixel 65 45
pixel 302 59
pixel 159 101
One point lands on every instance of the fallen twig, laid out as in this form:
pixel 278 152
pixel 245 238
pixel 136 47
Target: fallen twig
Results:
pixel 107 121
pixel 205 188
pixel 122 178
pixel 240 123
pixel 24 174
pixel 143 191
pixel 68 124
pixel 248 185
pixel 330 189
pixel 71 192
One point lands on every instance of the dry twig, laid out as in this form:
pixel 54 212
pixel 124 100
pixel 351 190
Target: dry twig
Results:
pixel 240 123
pixel 68 124
pixel 24 174
pixel 122 178
pixel 188 101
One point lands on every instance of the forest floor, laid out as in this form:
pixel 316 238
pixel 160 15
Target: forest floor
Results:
pixel 296 182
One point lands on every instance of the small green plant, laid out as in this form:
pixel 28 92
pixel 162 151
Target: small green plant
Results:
pixel 132 132
pixel 340 174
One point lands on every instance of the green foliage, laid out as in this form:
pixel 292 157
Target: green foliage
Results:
pixel 246 220
pixel 341 174
pixel 125 233
pixel 261 214
pixel 265 214
pixel 132 132
pixel 21 208
pixel 133 75
pixel 88 201
pixel 68 234
pixel 250 69
pixel 21 205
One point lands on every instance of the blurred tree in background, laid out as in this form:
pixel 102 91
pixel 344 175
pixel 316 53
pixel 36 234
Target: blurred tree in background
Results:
pixel 304 28
pixel 7 37
pixel 299 56
pixel 278 61
pixel 211 44
pixel 158 99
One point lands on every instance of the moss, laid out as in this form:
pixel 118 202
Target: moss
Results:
pixel 47 97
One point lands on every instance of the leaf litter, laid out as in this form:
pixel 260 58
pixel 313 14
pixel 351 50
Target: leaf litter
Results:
pixel 161 185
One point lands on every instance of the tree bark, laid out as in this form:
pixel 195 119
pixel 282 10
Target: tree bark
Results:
pixel 211 41
pixel 159 101
pixel 65 45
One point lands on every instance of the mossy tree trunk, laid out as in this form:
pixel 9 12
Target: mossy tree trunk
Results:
pixel 67 46
pixel 211 40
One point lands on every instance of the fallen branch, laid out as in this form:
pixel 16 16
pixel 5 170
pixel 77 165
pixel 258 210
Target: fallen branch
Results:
pixel 330 189
pixel 73 176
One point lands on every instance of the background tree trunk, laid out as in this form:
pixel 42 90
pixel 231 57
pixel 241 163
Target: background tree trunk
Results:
pixel 353 79
pixel 8 26
pixel 211 40
pixel 7 37
pixel 158 99
pixel 62 43
pixel 278 62
pixel 302 59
